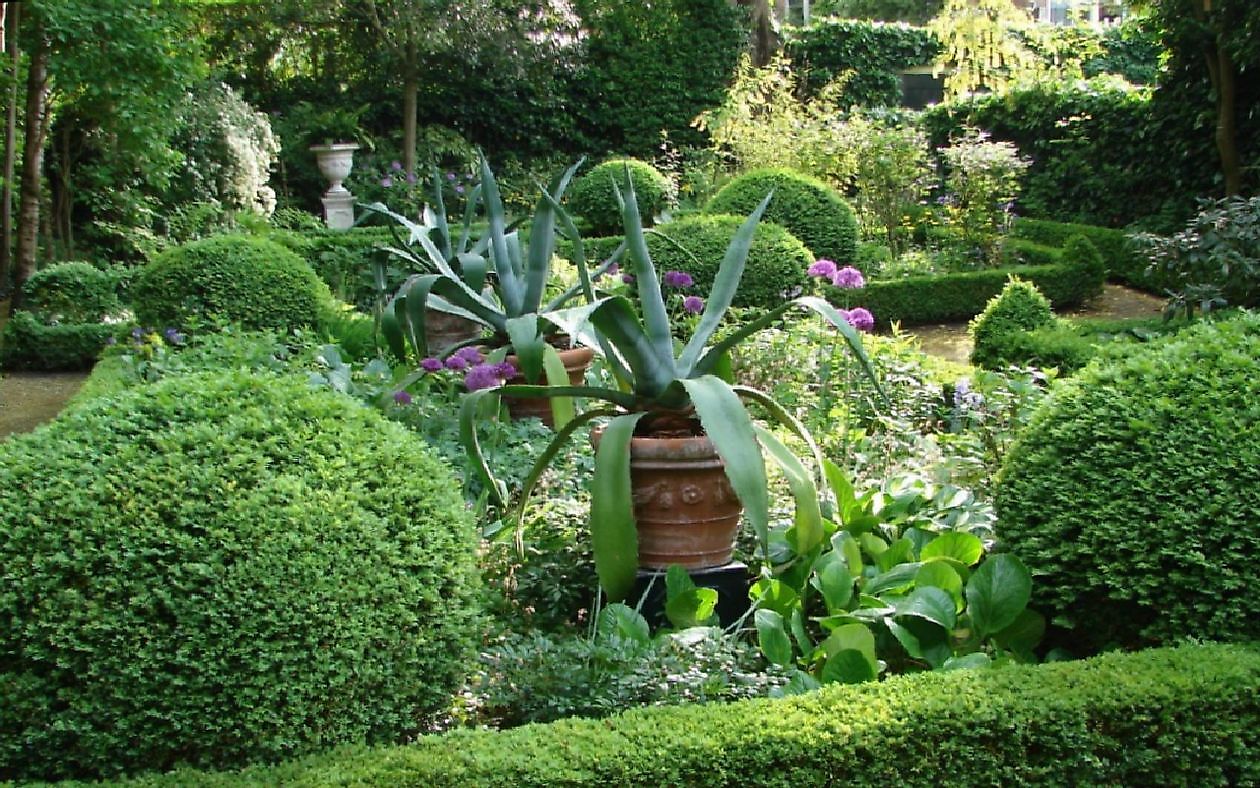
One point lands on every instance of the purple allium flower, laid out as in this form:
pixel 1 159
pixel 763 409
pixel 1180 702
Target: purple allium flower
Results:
pixel 459 189
pixel 387 181
pixel 411 178
pixel 822 267
pixel 470 354
pixel 628 278
pixel 849 278
pixel 457 363
pixel 693 304
pixel 402 398
pixel 613 269
pixel 395 165
pixel 844 315
pixel 861 319
pixel 431 364
pixel 505 370
pixel 450 176
pixel 483 376
pixel 678 279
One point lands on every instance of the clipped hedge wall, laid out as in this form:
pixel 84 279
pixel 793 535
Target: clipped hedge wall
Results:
pixel 961 296
pixel 29 344
pixel 777 261
pixel 1068 345
pixel 344 259
pixel 1134 493
pixel 1123 260
pixel 810 209
pixel 592 196
pixel 873 53
pixel 1187 715
pixel 224 568
pixel 230 278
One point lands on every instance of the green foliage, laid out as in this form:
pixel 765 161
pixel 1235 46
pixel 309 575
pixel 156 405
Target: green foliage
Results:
pixel 893 173
pixel 230 278
pixel 1162 716
pixel 1122 258
pixel 73 292
pixel 982 181
pixel 1068 345
pixel 347 261
pixel 592 196
pixel 1131 50
pixel 1164 436
pixel 810 209
pixel 916 12
pixel 28 343
pixel 868 56
pixel 219 569
pixel 1019 307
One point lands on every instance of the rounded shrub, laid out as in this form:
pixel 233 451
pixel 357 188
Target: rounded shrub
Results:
pixel 217 569
pixel 592 196
pixel 1134 493
pixel 1019 307
pixel 776 264
pixel 230 279
pixel 813 211
pixel 71 292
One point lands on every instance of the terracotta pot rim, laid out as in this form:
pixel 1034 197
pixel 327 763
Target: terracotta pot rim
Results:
pixel 649 447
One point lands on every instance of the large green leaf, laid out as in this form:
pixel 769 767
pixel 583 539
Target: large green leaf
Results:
pixel 772 594
pixel 808 519
pixel 773 638
pixel 848 667
pixel 553 369
pixel 685 604
pixel 614 540
pixel 958 545
pixel 542 239
pixel 510 287
pixel 615 320
pixel 655 316
pixel 836 585
pixel 776 412
pixel 997 593
pixel 619 622
pixel 939 574
pixel 896 580
pixel 728 426
pixel 528 344
pixel 851 636
pixel 933 604
pixel 1024 633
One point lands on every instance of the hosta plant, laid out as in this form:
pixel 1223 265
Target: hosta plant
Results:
pixel 661 383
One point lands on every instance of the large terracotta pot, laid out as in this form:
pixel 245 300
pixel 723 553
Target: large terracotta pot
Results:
pixel 684 508
pixel 576 361
pixel 443 330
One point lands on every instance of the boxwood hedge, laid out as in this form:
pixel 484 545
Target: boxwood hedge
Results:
pixel 1134 493
pixel 1123 260
pixel 224 568
pixel 592 196
pixel 1187 715
pixel 29 344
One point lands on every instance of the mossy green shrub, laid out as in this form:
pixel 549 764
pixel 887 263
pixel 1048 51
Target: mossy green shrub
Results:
pixel 72 292
pixel 230 279
pixel 1133 494
pixel 939 298
pixel 777 261
pixel 1161 717
pixel 347 259
pixel 592 196
pixel 1122 259
pixel 1019 307
pixel 28 343
pixel 810 209
pixel 224 568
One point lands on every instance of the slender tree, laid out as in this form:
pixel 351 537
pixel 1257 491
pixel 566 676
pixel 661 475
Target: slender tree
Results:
pixel 9 23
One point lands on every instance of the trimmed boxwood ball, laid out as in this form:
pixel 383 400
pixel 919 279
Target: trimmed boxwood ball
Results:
pixel 1019 307
pixel 1134 494
pixel 230 279
pixel 218 569
pixel 810 209
pixel 776 265
pixel 592 197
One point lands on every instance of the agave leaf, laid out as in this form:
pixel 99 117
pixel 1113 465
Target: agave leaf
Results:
pixel 473 268
pixel 392 331
pixel 724 286
pixel 542 238
pixel 468 410
pixel 614 318
pixel 557 375
pixel 417 302
pixel 727 424
pixel 528 344
pixel 808 520
pixel 655 317
pixel 439 215
pixel 576 322
pixel 781 415
pixel 509 280
pixel 470 213
pixel 614 540
pixel 619 398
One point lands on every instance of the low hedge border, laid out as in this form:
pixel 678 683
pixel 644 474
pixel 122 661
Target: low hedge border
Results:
pixel 1124 262
pixel 1189 715
pixel 1069 345
pixel 343 259
pixel 28 344
pixel 961 296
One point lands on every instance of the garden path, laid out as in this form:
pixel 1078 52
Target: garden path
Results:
pixel 951 341
pixel 28 399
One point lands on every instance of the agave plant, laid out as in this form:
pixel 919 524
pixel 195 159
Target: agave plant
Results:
pixel 656 379
pixel 492 281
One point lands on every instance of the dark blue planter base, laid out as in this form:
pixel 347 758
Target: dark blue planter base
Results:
pixel 731 581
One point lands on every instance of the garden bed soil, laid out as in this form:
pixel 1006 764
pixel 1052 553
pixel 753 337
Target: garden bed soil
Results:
pixel 951 340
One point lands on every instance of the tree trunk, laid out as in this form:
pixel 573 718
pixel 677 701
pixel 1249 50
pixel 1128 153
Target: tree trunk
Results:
pixel 1227 123
pixel 411 91
pixel 10 145
pixel 35 133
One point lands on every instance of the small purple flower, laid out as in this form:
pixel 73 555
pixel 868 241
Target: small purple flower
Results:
pixel 693 304
pixel 822 268
pixel 387 181
pixel 505 370
pixel 173 336
pixel 457 363
pixel 450 176
pixel 411 178
pixel 459 189
pixel 861 319
pixel 112 341
pixel 678 279
pixel 137 333
pixel 431 364
pixel 395 165
pixel 628 278
pixel 848 278
pixel 402 398
pixel 470 354
pixel 483 376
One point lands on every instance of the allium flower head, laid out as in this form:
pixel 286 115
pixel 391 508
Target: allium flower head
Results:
pixel 679 279
pixel 387 181
pixel 173 336
pixel 459 189
pixel 848 278
pixel 628 278
pixel 844 315
pixel 822 267
pixel 470 354
pixel 411 178
pixel 395 165
pixel 861 319
pixel 483 376
pixel 431 364
pixel 505 370
pixel 402 398
pixel 693 304
pixel 457 363
pixel 450 176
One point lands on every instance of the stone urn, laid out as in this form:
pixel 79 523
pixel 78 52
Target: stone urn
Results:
pixel 335 162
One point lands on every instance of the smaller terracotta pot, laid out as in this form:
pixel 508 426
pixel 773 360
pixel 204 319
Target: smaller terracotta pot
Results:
pixel 443 331
pixel 576 361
